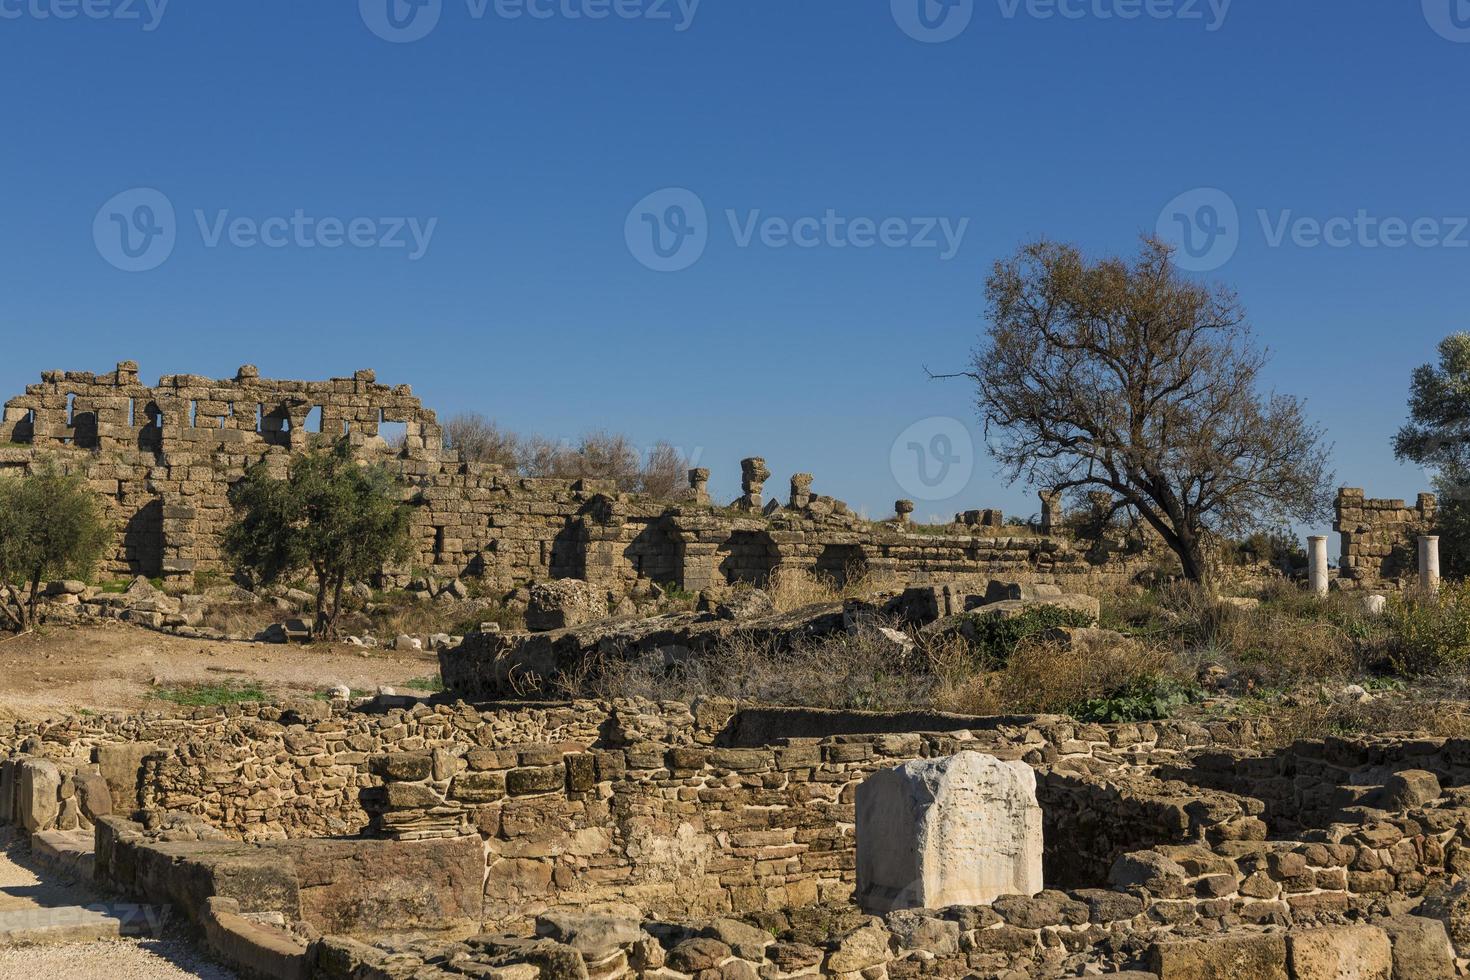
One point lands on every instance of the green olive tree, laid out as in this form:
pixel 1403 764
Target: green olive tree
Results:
pixel 52 525
pixel 339 519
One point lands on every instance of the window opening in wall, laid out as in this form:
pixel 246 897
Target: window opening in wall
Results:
pixel 132 413
pixel 193 413
pixel 71 409
pixel 313 420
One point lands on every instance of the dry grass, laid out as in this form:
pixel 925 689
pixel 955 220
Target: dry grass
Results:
pixel 1299 717
pixel 240 618
pixel 1046 676
pixel 796 588
pixel 1290 638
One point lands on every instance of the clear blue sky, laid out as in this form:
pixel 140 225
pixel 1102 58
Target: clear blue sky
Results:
pixel 528 141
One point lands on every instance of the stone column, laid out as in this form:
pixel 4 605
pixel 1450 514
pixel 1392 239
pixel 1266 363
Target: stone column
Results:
pixel 1051 510
pixel 753 477
pixel 801 490
pixel 699 485
pixel 1317 564
pixel 1429 563
pixel 902 508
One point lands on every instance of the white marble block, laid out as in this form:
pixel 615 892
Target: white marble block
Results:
pixel 962 830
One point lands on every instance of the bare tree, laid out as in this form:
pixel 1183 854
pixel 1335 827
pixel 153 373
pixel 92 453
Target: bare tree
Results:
pixel 598 455
pixel 1126 377
pixel 665 472
pixel 480 440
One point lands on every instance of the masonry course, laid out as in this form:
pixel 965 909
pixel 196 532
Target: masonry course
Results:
pixel 164 456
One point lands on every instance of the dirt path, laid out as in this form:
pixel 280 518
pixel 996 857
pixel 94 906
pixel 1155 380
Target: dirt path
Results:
pixel 23 890
pixel 118 667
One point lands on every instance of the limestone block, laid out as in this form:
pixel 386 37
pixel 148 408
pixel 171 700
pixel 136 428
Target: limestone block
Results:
pixel 1340 953
pixel 1421 948
pixel 1410 788
pixel 38 795
pixel 961 830
pixel 563 603
pixel 1251 957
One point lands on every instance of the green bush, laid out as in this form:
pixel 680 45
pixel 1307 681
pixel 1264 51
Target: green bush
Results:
pixel 1147 699
pixel 994 638
pixel 52 525
pixel 1429 634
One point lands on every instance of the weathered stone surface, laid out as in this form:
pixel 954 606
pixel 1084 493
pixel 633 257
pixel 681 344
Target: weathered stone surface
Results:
pixel 1421 947
pixel 562 604
pixel 693 955
pixel 1250 957
pixel 38 789
pixel 594 935
pixel 859 950
pixel 1410 788
pixel 962 830
pixel 1340 953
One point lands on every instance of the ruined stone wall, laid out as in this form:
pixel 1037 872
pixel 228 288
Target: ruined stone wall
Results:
pixel 1379 537
pixel 164 457
pixel 591 801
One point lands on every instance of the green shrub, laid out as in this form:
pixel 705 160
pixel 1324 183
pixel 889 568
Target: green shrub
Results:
pixel 994 638
pixel 1146 699
pixel 1429 634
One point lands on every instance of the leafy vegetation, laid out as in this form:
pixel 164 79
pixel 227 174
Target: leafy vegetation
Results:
pixel 1430 634
pixel 51 526
pixel 1152 698
pixel 995 638
pixel 332 516
pixel 212 695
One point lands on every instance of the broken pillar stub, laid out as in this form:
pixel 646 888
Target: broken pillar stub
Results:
pixel 960 830
pixel 753 477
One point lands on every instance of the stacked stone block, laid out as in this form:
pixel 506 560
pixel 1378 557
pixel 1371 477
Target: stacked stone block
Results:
pixel 1379 537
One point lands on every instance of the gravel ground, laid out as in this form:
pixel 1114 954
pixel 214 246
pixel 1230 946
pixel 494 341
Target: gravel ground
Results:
pixel 168 958
pixel 125 959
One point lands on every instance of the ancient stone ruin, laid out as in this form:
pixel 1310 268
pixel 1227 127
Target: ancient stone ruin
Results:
pixel 406 839
pixel 475 834
pixel 164 458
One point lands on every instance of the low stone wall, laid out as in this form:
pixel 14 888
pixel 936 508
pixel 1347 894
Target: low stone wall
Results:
pixel 1053 935
pixel 349 887
pixel 1311 783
